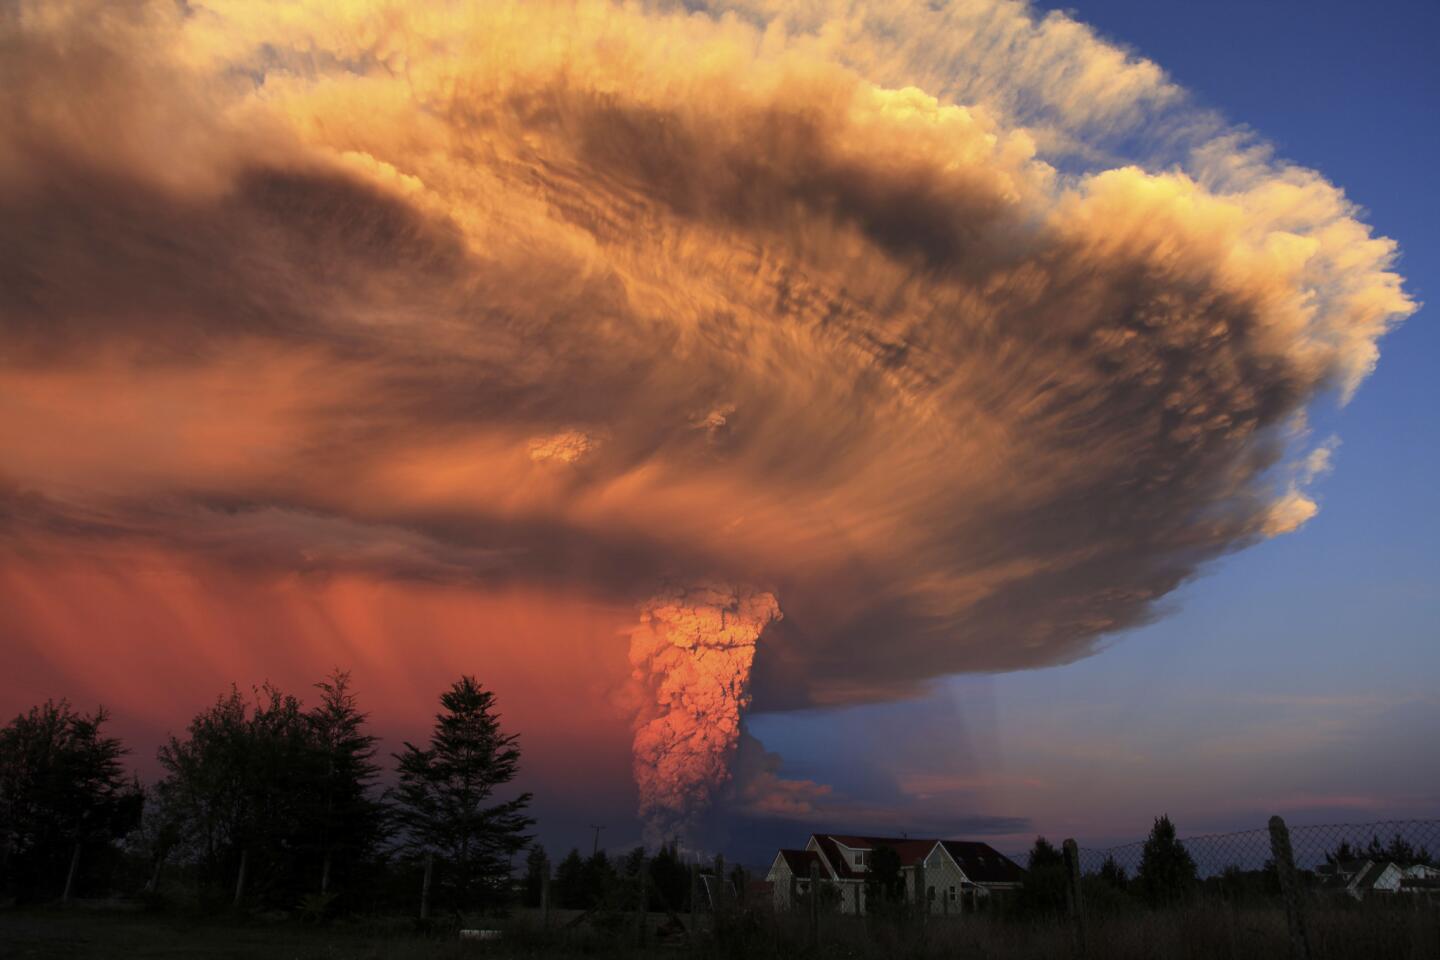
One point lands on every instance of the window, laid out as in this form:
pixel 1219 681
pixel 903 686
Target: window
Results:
pixel 953 896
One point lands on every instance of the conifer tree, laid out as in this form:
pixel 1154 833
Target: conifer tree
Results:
pixel 1167 872
pixel 346 817
pixel 445 800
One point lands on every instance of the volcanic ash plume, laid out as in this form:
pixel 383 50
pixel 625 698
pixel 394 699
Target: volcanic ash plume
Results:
pixel 692 653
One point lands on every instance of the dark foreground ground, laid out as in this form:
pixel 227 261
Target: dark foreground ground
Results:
pixel 1411 932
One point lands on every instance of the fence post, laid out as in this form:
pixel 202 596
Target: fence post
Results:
pixel 70 875
pixel 240 877
pixel 814 903
pixel 642 907
pixel 922 901
pixel 545 898
pixel 1074 903
pixel 1290 890
pixel 425 886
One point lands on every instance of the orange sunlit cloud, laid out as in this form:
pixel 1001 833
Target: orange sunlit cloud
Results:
pixel 338 333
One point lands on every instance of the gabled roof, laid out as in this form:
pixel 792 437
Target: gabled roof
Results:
pixel 982 863
pixel 1371 875
pixel 840 869
pixel 911 851
pixel 799 862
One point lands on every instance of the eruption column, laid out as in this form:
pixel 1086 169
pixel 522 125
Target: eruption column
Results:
pixel 692 653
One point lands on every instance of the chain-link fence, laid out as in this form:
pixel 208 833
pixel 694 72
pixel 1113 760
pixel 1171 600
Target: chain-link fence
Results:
pixel 1325 850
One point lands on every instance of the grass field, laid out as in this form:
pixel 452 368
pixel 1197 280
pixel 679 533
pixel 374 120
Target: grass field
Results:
pixel 1201 932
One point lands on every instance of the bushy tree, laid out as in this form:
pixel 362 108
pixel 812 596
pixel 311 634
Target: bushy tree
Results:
pixel 1167 873
pixel 885 880
pixel 62 789
pixel 1045 854
pixel 241 779
pixel 445 800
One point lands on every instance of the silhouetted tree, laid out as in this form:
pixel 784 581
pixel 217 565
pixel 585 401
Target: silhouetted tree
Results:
pixel 343 816
pixel 1113 874
pixel 61 788
pixel 599 878
pixel 1045 854
pixel 570 882
pixel 1043 891
pixel 670 880
pixel 537 871
pixel 445 800
pixel 884 881
pixel 241 782
pixel 1167 872
pixel 1342 854
pixel 1399 850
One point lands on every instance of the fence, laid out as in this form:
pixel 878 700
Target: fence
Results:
pixel 1314 848
pixel 1395 859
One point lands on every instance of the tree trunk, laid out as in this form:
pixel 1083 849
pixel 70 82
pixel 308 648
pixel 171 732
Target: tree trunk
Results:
pixel 325 875
pixel 240 878
pixel 70 876
pixel 425 886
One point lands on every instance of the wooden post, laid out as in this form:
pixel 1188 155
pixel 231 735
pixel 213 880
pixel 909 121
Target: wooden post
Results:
pixel 641 906
pixel 325 874
pixel 425 886
pixel 153 885
pixel 1073 901
pixel 718 896
pixel 922 899
pixel 1289 888
pixel 240 878
pixel 814 903
pixel 70 875
pixel 545 898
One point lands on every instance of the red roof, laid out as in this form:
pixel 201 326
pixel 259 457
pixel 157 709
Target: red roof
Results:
pixel 981 862
pixel 799 862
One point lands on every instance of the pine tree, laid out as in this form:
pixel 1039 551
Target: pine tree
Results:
pixel 1113 874
pixel 445 798
pixel 570 889
pixel 1167 872
pixel 537 872
pixel 346 819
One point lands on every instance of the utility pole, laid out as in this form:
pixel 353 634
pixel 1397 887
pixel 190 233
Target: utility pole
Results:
pixel 595 847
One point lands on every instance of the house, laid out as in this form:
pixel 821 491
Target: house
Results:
pixel 960 876
pixel 1358 878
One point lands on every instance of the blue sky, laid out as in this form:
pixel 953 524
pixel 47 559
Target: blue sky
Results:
pixel 1301 676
